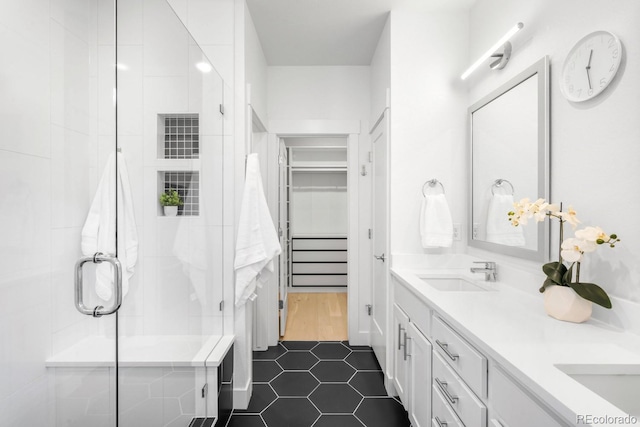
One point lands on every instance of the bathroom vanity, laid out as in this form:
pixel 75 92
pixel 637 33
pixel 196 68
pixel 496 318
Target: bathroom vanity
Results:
pixel 474 353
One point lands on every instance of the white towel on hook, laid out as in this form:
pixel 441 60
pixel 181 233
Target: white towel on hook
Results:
pixel 436 225
pixel 257 242
pixel 499 229
pixel 99 231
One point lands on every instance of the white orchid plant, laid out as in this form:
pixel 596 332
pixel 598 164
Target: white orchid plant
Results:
pixel 571 250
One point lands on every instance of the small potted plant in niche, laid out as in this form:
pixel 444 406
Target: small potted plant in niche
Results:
pixel 566 298
pixel 170 200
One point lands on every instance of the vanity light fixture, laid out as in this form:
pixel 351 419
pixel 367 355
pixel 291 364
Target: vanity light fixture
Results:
pixel 503 57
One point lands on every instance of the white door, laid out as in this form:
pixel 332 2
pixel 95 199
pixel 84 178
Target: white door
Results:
pixel 285 233
pixel 380 291
pixel 400 353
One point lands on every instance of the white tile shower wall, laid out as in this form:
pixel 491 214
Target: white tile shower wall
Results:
pixel 593 135
pixel 47 147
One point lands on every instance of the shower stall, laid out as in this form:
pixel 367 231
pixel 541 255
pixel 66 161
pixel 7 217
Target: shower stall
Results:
pixel 111 313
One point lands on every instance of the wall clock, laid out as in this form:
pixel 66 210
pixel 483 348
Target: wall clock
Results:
pixel 590 66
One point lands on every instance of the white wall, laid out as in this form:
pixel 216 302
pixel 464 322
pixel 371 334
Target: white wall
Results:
pixel 595 157
pixel 255 68
pixel 381 73
pixel 428 110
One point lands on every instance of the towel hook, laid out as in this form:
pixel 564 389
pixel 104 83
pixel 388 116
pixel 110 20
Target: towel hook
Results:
pixel 498 183
pixel 432 183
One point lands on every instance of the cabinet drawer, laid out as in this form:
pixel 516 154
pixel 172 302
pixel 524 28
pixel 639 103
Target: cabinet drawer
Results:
pixel 417 311
pixel 319 256
pixel 319 268
pixel 514 406
pixel 465 360
pixel 466 404
pixel 318 244
pixel 443 415
pixel 328 280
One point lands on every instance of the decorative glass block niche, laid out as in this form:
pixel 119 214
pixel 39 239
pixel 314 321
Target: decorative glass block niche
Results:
pixel 178 136
pixel 187 184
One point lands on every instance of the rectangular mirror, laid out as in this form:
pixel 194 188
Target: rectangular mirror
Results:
pixel 509 146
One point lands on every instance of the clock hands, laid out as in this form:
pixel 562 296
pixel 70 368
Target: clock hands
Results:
pixel 588 67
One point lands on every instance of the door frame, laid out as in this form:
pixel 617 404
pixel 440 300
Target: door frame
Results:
pixel 358 333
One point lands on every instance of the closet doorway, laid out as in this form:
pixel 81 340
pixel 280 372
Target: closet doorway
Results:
pixel 315 222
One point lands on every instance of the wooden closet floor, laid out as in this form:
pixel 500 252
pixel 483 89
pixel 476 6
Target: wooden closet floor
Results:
pixel 317 317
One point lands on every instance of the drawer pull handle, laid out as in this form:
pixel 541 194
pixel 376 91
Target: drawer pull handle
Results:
pixel 406 352
pixel 400 329
pixel 443 388
pixel 441 423
pixel 445 348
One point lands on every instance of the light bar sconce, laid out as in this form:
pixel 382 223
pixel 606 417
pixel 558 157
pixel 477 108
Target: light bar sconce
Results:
pixel 502 57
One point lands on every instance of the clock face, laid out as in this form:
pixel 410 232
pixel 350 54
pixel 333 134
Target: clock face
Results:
pixel 590 66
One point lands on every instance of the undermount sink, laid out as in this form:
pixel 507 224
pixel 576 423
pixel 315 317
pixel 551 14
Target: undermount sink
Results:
pixel 453 284
pixel 614 383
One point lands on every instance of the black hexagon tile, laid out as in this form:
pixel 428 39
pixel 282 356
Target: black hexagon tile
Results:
pixel 369 383
pixel 261 398
pixel 330 351
pixel 291 412
pixel 299 345
pixel 265 370
pixel 333 371
pixel 297 360
pixel 336 398
pixel 382 412
pixel 297 383
pixel 363 361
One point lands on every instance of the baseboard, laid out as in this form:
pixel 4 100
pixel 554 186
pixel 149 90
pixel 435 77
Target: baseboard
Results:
pixel 317 289
pixel 242 395
pixel 360 338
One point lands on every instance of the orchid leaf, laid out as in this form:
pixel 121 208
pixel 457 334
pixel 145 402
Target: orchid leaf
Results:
pixel 592 292
pixel 545 285
pixel 555 271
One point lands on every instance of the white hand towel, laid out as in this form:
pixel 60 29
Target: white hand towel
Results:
pixel 499 229
pixel 99 231
pixel 436 225
pixel 257 242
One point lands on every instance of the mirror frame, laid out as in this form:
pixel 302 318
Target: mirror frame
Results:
pixel 541 253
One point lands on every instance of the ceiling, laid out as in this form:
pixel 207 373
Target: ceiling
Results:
pixel 327 32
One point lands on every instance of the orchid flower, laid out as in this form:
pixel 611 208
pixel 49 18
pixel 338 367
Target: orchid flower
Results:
pixel 573 249
pixel 569 216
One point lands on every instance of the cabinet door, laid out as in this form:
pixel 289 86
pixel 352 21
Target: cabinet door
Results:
pixel 420 378
pixel 400 355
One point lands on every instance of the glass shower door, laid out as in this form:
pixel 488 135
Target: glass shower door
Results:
pixel 170 134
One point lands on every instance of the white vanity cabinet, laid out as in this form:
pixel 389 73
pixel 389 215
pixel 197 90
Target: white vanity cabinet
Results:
pixel 412 356
pixel 512 406
pixel 419 392
pixel 400 356
pixel 444 380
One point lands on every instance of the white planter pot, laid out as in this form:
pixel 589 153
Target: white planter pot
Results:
pixel 170 210
pixel 563 303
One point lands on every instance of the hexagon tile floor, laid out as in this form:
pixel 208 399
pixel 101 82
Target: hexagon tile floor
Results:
pixel 318 384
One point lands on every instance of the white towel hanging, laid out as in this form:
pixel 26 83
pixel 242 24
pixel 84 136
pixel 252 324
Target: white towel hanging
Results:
pixel 99 231
pixel 499 229
pixel 257 242
pixel 436 225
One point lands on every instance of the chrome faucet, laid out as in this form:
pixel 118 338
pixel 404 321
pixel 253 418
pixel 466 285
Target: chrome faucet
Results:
pixel 490 270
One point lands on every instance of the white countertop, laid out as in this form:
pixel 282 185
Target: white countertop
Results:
pixel 511 327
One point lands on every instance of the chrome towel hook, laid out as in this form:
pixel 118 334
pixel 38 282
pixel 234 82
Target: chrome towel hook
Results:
pixel 431 183
pixel 498 183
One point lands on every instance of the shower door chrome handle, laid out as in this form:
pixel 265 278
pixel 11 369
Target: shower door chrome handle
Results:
pixel 99 310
